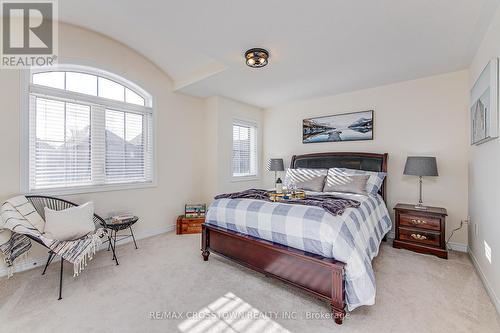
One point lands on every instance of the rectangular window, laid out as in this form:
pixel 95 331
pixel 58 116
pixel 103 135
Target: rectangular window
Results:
pixel 244 161
pixel 75 145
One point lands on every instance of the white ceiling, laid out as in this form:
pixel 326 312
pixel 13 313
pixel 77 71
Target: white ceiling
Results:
pixel 317 47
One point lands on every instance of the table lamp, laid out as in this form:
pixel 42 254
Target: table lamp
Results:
pixel 421 166
pixel 276 164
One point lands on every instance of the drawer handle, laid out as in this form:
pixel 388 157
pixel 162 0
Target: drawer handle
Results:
pixel 418 237
pixel 418 222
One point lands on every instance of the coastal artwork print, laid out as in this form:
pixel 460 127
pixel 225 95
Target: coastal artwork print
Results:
pixel 479 112
pixel 484 105
pixel 342 127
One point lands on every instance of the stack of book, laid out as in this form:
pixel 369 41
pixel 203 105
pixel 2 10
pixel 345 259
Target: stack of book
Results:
pixel 195 210
pixel 122 218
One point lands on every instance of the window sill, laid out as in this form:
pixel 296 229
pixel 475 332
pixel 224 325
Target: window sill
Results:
pixel 236 179
pixel 91 189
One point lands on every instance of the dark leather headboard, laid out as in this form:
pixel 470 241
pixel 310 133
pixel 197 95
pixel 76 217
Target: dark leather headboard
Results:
pixel 359 161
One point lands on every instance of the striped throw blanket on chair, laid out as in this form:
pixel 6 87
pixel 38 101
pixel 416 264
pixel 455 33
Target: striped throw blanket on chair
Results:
pixel 19 218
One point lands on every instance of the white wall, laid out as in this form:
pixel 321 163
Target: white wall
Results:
pixel 420 117
pixel 179 152
pixel 220 114
pixel 484 181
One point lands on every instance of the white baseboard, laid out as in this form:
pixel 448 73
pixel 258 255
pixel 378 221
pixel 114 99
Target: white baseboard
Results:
pixel 494 298
pixel 458 247
pixel 25 265
pixel 154 232
pixel 40 261
pixel 142 235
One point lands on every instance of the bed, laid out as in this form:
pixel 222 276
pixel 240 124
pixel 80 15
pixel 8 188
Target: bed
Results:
pixel 329 269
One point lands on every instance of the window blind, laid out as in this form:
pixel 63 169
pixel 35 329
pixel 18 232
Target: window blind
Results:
pixel 125 147
pixel 75 141
pixel 60 144
pixel 244 161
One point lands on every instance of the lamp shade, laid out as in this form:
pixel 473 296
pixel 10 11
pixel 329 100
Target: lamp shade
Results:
pixel 421 166
pixel 276 164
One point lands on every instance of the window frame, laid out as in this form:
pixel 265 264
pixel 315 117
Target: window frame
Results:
pixel 28 88
pixel 256 176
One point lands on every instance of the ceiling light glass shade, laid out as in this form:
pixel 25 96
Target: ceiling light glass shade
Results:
pixel 256 58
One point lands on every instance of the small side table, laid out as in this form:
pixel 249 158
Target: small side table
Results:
pixel 114 227
pixel 189 225
pixel 421 230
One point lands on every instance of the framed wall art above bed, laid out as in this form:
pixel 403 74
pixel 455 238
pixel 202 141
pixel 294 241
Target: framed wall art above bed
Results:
pixel 353 126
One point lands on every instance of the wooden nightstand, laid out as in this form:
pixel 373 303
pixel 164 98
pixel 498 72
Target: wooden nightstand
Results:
pixel 189 225
pixel 421 230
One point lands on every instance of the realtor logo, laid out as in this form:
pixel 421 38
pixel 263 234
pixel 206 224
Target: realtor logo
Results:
pixel 29 33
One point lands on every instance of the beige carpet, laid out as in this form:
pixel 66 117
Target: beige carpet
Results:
pixel 166 275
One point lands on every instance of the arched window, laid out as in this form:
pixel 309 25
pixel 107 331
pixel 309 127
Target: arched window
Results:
pixel 88 129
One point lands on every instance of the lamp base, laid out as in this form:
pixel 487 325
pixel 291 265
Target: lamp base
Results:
pixel 420 206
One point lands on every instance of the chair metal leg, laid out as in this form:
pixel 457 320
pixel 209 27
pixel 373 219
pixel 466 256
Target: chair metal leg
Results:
pixel 110 244
pixel 60 279
pixel 49 260
pixel 132 233
pixel 113 249
pixel 114 241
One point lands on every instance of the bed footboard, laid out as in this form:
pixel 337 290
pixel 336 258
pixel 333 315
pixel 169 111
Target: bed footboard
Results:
pixel 322 277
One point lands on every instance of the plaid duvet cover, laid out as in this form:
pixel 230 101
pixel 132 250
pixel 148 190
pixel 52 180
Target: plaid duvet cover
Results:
pixel 353 238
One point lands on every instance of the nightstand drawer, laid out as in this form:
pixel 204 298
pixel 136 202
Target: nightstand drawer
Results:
pixel 419 236
pixel 419 222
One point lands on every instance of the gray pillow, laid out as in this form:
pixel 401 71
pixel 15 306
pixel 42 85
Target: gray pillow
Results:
pixel 374 182
pixel 306 179
pixel 336 182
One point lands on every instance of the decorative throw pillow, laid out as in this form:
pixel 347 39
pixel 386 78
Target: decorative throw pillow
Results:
pixel 306 179
pixel 345 183
pixel 69 224
pixel 374 182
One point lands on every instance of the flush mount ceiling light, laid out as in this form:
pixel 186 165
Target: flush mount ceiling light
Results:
pixel 256 58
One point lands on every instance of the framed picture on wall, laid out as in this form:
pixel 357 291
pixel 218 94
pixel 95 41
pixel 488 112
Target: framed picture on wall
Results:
pixel 353 126
pixel 484 105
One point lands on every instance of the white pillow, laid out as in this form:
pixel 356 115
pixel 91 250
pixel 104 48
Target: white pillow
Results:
pixel 69 224
pixel 306 179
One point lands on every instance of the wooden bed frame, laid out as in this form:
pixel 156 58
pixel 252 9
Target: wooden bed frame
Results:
pixel 320 276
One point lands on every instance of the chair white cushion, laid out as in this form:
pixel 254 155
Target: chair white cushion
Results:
pixel 69 224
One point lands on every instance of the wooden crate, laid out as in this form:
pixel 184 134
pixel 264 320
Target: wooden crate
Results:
pixel 191 225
